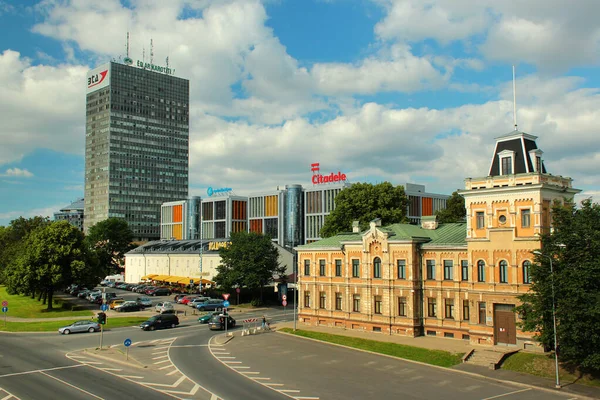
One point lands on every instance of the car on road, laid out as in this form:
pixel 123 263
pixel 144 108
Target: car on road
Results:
pixel 207 317
pixel 165 307
pixel 129 306
pixel 217 322
pixel 160 321
pixel 80 326
pixel 145 301
pixel 210 305
pixel 186 299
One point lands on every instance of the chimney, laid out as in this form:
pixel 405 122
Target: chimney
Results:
pixel 429 222
pixel 355 227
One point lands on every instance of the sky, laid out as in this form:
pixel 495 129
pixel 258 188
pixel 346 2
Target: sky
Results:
pixel 381 90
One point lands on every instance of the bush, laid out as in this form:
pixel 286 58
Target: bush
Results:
pixel 256 302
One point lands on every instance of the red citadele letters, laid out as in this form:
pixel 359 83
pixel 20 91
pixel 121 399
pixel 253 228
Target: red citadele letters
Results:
pixel 318 179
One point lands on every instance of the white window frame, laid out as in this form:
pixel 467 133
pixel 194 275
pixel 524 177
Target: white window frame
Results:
pixel 533 154
pixel 506 154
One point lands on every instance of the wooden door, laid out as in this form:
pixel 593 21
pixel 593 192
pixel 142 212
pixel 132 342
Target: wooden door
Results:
pixel 505 328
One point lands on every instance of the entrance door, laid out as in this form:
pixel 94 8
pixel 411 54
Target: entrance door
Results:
pixel 505 327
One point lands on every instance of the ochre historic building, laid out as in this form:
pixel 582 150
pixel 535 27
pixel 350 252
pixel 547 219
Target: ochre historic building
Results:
pixel 449 280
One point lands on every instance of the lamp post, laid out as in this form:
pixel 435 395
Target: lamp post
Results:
pixel 539 253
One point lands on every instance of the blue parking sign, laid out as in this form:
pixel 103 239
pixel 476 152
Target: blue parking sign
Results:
pixel 104 307
pixel 4 309
pixel 225 304
pixel 127 342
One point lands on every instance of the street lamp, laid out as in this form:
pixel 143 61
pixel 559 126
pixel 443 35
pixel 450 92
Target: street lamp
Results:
pixel 539 253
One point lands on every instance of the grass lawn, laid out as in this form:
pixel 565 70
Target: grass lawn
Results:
pixel 543 365
pixel 52 326
pixel 25 307
pixel 433 357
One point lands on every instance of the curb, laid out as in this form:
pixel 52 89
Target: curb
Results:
pixel 473 374
pixel 131 363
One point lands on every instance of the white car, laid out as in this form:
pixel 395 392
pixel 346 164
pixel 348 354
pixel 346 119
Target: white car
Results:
pixel 165 307
pixel 145 301
pixel 197 301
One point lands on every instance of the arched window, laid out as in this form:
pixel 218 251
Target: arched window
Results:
pixel 480 271
pixel 503 271
pixel 377 267
pixel 526 271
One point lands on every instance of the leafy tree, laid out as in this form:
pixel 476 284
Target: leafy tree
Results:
pixel 110 240
pixel 365 202
pixel 574 247
pixel 251 261
pixel 54 256
pixel 455 210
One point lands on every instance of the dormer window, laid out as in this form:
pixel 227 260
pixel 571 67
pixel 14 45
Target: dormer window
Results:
pixel 507 162
pixel 536 159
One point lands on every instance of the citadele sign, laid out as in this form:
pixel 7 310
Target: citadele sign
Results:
pixel 318 179
pixel 98 78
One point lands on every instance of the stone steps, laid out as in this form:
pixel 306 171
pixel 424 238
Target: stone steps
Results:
pixel 486 358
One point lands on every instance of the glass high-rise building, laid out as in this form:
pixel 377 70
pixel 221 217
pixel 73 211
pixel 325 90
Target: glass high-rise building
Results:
pixel 137 144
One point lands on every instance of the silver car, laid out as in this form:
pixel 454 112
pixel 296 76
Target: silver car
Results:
pixel 80 326
pixel 145 301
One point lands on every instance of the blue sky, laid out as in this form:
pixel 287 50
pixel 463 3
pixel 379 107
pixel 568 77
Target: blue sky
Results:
pixel 397 90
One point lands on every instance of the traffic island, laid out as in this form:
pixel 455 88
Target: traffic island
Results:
pixel 116 355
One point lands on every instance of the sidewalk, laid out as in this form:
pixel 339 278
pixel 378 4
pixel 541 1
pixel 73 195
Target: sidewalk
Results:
pixel 455 346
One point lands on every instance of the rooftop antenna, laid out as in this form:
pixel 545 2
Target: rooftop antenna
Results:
pixel 514 99
pixel 127 47
pixel 151 52
pixel 167 62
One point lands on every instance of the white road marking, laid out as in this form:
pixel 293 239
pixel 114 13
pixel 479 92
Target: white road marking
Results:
pixel 92 362
pixel 41 370
pixel 172 372
pixel 232 362
pixel 172 385
pixel 214 397
pixel 221 358
pixel 289 391
pixel 257 378
pixel 163 361
pixel 111 369
pixel 160 352
pixel 250 372
pixel 191 392
pixel 73 386
pixel 238 367
pixel 166 366
pixel 159 357
pixel 131 376
pixel 306 398
pixel 189 345
pixel 274 384
pixel 507 394
pixel 162 348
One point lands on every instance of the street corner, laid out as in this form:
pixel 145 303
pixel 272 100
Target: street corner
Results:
pixel 223 338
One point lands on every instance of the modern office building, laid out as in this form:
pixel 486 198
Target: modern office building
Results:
pixel 180 220
pixel 72 213
pixel 421 203
pixel 278 214
pixel 459 280
pixel 223 215
pixel 319 202
pixel 137 144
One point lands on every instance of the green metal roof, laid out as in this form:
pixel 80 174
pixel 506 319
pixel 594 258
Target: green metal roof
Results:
pixel 445 234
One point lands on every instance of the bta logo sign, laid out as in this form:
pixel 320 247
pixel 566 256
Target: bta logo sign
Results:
pixel 318 179
pixel 96 79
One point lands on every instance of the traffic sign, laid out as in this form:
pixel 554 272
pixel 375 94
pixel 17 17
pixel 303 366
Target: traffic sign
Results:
pixel 104 307
pixel 284 303
pixel 238 290
pixel 4 309
pixel 226 296
pixel 284 297
pixel 4 303
pixel 225 304
pixel 127 342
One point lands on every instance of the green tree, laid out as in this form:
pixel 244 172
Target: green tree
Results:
pixel 455 210
pixel 365 202
pixel 110 240
pixel 251 261
pixel 574 247
pixel 54 256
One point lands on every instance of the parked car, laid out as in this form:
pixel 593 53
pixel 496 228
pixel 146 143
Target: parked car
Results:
pixel 129 306
pixel 159 292
pixel 211 305
pixel 187 299
pixel 217 322
pixel 197 301
pixel 145 301
pixel 207 317
pixel 165 307
pixel 80 326
pixel 115 303
pixel 83 293
pixel 160 321
pixel 178 297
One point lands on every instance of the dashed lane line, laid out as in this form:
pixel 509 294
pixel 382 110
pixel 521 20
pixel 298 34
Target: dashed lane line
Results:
pixel 507 394
pixel 70 385
pixel 40 370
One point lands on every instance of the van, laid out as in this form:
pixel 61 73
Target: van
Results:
pixel 112 279
pixel 160 321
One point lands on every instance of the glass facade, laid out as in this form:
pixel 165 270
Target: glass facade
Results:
pixel 294 206
pixel 137 148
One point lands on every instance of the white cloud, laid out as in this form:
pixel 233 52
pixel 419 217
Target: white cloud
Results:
pixel 43 212
pixel 17 172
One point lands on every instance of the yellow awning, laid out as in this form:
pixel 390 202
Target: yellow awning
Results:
pixel 148 276
pixel 173 279
pixel 160 278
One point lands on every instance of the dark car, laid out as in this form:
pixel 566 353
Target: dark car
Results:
pixel 217 322
pixel 160 321
pixel 159 292
pixel 126 307
pixel 211 305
